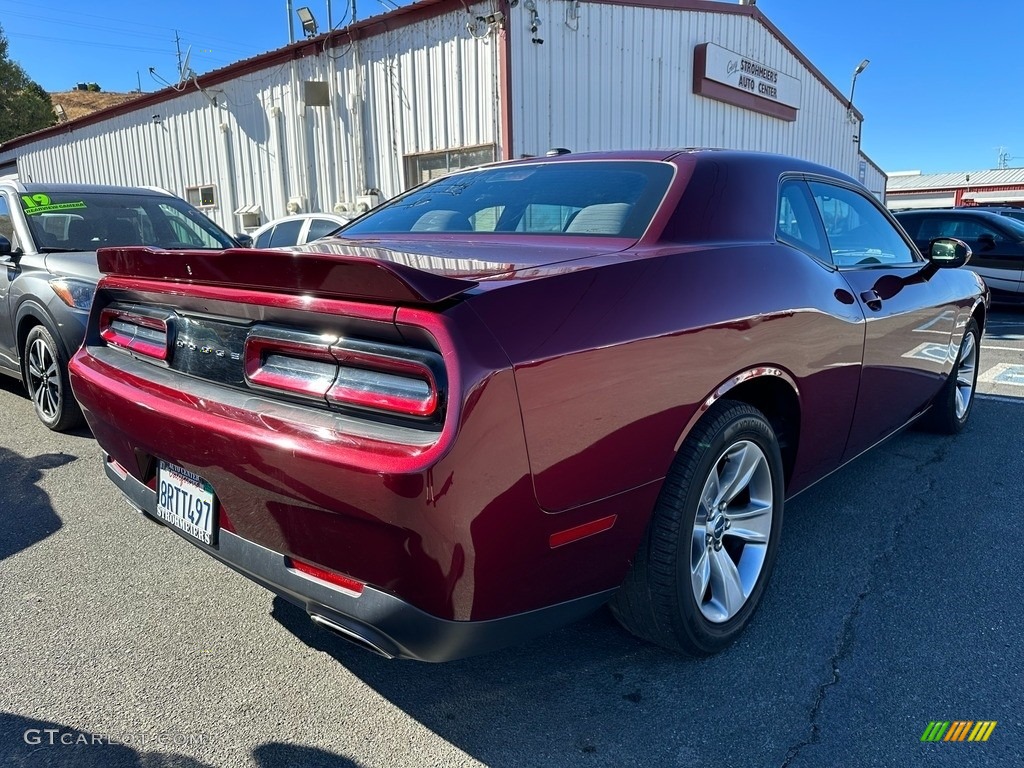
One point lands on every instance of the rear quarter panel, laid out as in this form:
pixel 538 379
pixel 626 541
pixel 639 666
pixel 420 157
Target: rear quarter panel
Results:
pixel 612 364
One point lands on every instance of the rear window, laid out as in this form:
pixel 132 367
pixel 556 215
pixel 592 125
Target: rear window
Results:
pixel 584 198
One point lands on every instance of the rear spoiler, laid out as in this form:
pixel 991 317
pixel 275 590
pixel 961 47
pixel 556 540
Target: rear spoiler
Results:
pixel 326 275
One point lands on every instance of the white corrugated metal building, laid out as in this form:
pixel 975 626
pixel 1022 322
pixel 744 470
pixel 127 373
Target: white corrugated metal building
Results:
pixel 439 85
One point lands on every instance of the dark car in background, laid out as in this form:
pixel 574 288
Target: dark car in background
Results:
pixel 49 234
pixel 518 392
pixel 996 242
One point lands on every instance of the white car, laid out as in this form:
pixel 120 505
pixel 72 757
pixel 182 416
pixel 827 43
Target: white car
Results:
pixel 296 230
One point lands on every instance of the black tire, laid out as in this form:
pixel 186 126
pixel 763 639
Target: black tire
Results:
pixel 44 370
pixel 954 403
pixel 658 600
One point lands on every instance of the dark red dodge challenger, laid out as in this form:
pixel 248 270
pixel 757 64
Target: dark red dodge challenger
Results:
pixel 521 391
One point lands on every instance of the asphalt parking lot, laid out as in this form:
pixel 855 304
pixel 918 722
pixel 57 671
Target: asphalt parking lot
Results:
pixel 897 601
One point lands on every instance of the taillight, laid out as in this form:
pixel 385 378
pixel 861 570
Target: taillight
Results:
pixel 135 331
pixel 346 373
pixel 294 362
pixel 380 378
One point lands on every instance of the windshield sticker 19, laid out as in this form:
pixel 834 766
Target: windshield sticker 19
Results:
pixel 41 204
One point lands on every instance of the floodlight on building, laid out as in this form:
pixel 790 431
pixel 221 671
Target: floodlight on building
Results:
pixel 308 22
pixel 853 85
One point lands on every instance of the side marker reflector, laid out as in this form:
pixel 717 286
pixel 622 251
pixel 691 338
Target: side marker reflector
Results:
pixel 569 535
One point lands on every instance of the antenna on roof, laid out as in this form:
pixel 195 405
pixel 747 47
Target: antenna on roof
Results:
pixel 185 71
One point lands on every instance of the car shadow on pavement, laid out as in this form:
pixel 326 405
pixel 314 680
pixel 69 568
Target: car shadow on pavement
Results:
pixel 545 702
pixel 20 494
pixel 276 754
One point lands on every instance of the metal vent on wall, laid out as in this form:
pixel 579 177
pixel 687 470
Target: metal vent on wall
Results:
pixel 316 93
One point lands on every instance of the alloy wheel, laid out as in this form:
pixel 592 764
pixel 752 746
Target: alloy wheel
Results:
pixel 966 366
pixel 731 531
pixel 44 382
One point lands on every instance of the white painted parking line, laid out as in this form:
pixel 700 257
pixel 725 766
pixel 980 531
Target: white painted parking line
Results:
pixel 1003 349
pixel 1004 373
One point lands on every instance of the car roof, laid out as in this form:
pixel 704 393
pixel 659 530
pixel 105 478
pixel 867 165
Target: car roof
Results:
pixel 1000 209
pixel 983 213
pixel 96 189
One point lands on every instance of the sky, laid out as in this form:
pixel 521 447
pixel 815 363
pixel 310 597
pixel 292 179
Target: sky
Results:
pixel 941 92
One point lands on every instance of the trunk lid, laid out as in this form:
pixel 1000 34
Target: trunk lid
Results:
pixel 406 271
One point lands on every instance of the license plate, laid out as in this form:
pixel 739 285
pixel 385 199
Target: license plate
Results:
pixel 186 501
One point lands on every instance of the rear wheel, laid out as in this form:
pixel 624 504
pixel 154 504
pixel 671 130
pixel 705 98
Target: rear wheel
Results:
pixel 707 555
pixel 952 406
pixel 45 373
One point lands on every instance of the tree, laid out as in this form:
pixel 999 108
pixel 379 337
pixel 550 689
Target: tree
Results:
pixel 24 105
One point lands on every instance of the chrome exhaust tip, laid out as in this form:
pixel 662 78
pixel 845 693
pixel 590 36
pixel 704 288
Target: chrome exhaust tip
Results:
pixel 352 635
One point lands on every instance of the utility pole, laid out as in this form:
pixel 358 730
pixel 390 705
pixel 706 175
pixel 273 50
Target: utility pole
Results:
pixel 177 46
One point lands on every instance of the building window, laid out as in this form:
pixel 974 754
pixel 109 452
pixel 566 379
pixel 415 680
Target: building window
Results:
pixel 202 197
pixel 430 165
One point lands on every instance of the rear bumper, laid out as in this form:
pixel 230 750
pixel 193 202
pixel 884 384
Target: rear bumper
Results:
pixel 374 619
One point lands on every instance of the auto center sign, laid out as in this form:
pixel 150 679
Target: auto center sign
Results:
pixel 748 83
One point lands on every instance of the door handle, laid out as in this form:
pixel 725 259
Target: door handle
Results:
pixel 872 299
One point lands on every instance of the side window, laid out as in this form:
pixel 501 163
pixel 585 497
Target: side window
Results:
pixel 912 225
pixel 286 233
pixel 935 226
pixel 319 228
pixel 185 231
pixel 263 241
pixel 858 233
pixel 797 223
pixel 6 223
pixel 973 230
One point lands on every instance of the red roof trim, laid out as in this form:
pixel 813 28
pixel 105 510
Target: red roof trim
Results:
pixel 376 25
pixel 962 188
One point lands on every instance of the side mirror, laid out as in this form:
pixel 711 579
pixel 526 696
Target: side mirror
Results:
pixel 948 252
pixel 243 240
pixel 7 254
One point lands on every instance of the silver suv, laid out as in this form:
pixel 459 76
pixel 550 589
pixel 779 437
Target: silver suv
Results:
pixel 49 234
